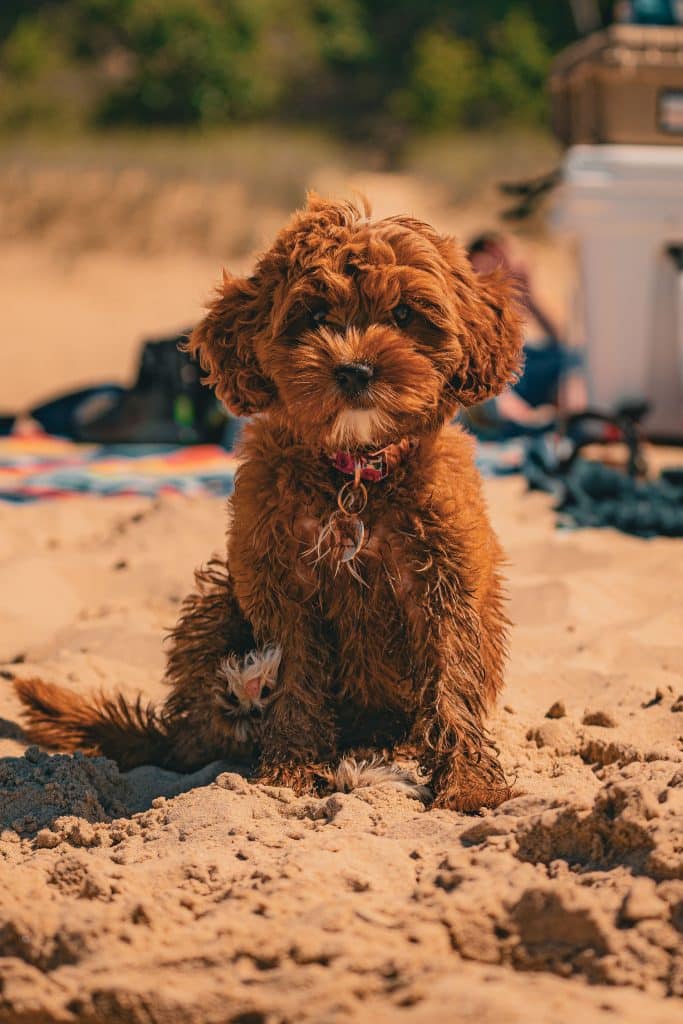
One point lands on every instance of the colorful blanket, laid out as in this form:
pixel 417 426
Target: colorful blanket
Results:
pixel 41 466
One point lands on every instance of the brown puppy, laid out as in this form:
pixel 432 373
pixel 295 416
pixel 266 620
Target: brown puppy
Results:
pixel 359 546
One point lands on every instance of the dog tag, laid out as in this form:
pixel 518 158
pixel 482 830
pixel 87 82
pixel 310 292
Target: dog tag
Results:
pixel 352 542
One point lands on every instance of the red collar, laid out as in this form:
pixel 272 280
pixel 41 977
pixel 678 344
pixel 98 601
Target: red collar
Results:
pixel 374 466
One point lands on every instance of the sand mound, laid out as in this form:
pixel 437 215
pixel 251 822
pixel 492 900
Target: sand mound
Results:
pixel 37 788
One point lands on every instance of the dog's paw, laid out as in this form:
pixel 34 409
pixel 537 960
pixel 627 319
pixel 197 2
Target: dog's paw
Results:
pixel 470 798
pixel 248 682
pixel 352 774
pixel 305 780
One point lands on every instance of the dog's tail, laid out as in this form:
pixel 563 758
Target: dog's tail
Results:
pixel 129 732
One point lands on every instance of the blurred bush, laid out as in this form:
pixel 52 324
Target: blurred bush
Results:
pixel 369 68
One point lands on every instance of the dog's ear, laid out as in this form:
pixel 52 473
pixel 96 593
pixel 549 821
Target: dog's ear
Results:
pixel 224 344
pixel 491 335
pixel 488 324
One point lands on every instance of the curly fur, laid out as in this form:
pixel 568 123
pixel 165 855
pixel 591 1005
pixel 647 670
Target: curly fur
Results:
pixel 130 731
pixel 407 651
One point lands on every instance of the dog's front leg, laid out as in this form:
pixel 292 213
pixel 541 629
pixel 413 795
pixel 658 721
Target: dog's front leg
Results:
pixel 299 732
pixel 454 747
pixel 466 774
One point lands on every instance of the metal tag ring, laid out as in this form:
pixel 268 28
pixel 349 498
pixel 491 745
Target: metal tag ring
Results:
pixel 352 499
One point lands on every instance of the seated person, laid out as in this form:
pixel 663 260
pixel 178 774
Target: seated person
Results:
pixel 531 404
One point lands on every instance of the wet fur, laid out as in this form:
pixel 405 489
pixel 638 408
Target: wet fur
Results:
pixel 407 652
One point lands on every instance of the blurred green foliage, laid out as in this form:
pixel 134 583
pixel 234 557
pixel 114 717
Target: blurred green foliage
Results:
pixel 373 69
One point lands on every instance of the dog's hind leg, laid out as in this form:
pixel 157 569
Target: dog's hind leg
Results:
pixel 190 728
pixel 211 629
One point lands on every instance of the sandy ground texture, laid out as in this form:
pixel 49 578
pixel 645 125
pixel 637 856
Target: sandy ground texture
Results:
pixel 153 897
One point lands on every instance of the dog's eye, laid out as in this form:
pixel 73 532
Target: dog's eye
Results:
pixel 318 317
pixel 402 315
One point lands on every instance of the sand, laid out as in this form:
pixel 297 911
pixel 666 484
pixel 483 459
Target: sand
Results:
pixel 157 897
pixel 154 897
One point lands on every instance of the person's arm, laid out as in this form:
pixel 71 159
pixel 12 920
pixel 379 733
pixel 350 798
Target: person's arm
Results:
pixel 534 309
pixel 542 318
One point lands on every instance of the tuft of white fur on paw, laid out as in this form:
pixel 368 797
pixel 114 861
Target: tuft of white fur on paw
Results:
pixel 245 685
pixel 351 774
pixel 246 676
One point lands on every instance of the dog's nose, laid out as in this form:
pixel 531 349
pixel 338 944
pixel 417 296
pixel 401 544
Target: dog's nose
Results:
pixel 354 377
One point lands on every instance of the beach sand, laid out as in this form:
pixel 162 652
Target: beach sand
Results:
pixel 154 897
pixel 158 897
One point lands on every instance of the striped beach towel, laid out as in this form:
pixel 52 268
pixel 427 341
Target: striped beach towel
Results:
pixel 41 466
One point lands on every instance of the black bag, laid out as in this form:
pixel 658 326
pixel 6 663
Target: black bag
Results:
pixel 168 404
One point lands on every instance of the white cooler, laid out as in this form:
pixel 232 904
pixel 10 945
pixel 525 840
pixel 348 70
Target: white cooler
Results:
pixel 624 207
